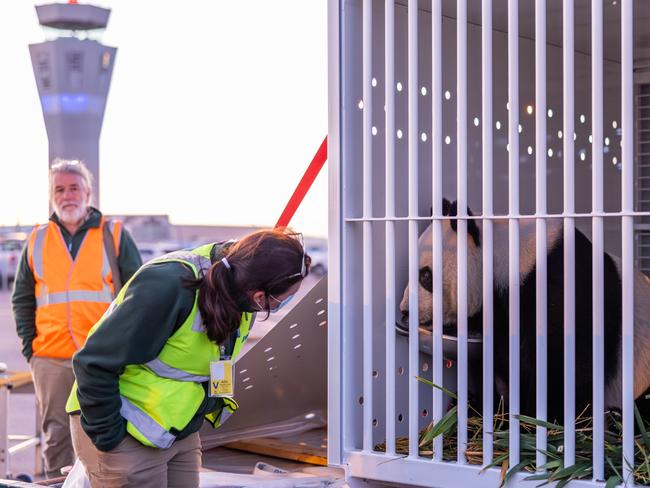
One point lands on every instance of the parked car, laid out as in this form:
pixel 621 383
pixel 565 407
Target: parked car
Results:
pixel 318 254
pixel 10 250
pixel 151 250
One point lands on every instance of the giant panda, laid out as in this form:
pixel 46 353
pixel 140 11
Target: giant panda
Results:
pixel 555 299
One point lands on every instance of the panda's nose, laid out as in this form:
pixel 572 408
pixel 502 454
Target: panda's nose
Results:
pixel 405 317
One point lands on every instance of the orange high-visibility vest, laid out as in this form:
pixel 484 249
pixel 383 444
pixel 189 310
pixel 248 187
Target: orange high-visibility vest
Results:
pixel 71 296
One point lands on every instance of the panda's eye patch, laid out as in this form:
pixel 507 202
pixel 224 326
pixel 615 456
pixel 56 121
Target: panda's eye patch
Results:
pixel 426 279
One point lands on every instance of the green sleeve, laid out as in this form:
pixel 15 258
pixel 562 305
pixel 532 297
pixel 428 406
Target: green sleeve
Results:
pixel 23 302
pixel 155 304
pixel 129 260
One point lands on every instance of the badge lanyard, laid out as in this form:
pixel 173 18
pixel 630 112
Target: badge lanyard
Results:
pixel 222 378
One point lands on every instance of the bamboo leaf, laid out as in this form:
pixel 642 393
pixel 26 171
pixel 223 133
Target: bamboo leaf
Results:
pixel 646 459
pixel 585 469
pixel 552 464
pixel 497 461
pixel 441 388
pixel 504 472
pixel 563 482
pixel 537 422
pixel 553 474
pixel 611 465
pixel 641 424
pixel 515 469
pixel 537 477
pixel 568 471
pixel 557 474
pixel 443 427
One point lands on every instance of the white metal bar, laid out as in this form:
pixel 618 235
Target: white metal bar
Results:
pixel 513 227
pixel 32 441
pixel 436 205
pixel 569 233
pixel 413 156
pixel 19 437
pixel 487 241
pixel 627 205
pixel 573 215
pixel 367 227
pixel 598 294
pixel 7 451
pixel 540 230
pixel 389 140
pixel 4 439
pixel 334 344
pixel 461 184
pixel 422 472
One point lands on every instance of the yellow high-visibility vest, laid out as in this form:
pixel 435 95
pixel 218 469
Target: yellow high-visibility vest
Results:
pixel 162 396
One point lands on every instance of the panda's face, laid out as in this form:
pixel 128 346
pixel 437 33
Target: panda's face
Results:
pixel 450 276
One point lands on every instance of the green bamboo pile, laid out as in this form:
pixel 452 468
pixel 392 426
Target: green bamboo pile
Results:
pixel 554 469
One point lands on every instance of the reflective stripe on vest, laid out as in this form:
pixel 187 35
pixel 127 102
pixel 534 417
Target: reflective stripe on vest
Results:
pixel 146 425
pixel 105 296
pixel 166 371
pixel 197 325
pixel 70 294
pixel 150 420
pixel 38 268
pixel 38 249
pixel 157 365
pixel 116 238
pixel 141 421
pixel 219 417
pixel 225 415
pixel 202 265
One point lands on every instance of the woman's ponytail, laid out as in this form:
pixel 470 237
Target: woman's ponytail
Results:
pixel 270 261
pixel 220 311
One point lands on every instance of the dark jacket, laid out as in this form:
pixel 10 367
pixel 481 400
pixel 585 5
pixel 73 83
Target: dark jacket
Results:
pixel 156 303
pixel 24 299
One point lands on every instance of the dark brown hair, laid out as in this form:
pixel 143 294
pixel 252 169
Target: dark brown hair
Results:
pixel 267 260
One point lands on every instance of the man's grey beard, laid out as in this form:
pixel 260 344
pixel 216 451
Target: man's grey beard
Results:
pixel 72 217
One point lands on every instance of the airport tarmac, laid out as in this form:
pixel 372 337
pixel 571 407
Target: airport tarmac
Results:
pixel 22 407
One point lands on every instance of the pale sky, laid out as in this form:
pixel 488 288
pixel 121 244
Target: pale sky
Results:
pixel 214 112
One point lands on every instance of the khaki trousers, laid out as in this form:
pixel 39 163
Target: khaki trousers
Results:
pixel 132 464
pixel 53 380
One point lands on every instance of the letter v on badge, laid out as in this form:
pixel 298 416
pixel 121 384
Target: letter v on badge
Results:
pixel 222 380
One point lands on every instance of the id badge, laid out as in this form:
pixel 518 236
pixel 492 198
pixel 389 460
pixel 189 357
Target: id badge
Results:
pixel 222 378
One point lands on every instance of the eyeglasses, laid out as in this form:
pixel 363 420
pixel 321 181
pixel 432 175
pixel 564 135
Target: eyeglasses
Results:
pixel 303 268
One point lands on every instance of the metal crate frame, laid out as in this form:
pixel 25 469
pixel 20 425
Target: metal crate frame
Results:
pixel 361 228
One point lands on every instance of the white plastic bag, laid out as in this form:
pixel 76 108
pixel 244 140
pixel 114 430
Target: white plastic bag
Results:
pixel 268 476
pixel 77 477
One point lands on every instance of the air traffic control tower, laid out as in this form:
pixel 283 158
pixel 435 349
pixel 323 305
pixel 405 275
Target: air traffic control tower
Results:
pixel 73 74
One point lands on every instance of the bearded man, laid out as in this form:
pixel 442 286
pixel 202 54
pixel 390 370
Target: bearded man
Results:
pixel 65 281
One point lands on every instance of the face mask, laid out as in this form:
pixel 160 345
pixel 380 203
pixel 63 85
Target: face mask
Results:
pixel 281 303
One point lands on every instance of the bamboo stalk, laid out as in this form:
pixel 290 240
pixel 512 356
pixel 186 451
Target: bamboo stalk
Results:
pixel 554 453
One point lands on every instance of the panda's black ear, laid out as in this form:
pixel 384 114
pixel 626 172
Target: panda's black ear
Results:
pixel 453 210
pixel 446 205
pixel 472 229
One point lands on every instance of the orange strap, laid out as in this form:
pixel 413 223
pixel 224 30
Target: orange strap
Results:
pixel 305 184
